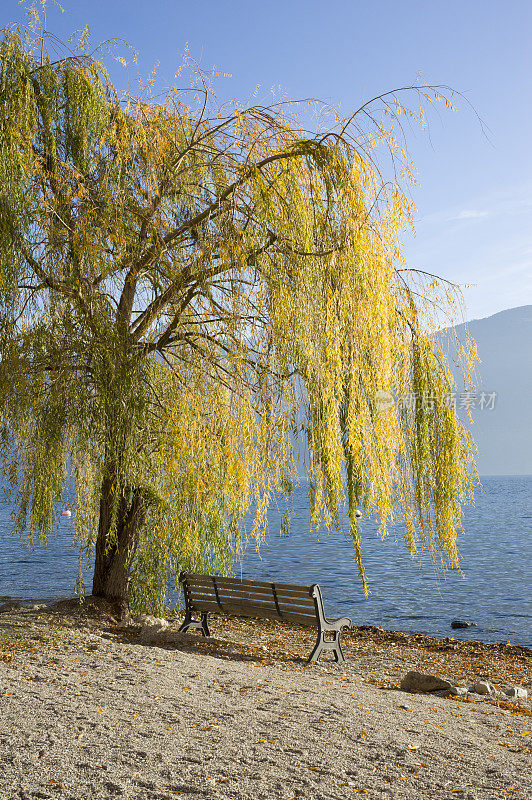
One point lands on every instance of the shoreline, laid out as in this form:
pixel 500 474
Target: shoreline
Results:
pixel 251 633
pixel 456 635
pixel 92 708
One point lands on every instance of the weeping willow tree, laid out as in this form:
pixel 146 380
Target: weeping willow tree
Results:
pixel 182 288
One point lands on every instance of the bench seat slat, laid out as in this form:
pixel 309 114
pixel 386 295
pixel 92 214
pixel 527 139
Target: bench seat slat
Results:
pixel 279 608
pixel 260 591
pixel 248 590
pixel 250 610
pixel 204 593
pixel 203 580
pixel 304 606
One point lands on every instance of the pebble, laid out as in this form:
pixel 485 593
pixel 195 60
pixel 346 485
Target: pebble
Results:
pixel 458 691
pixel 483 687
pixel 115 788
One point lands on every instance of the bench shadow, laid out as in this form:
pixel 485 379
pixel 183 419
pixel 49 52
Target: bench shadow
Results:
pixel 191 643
pixel 223 649
pixel 212 646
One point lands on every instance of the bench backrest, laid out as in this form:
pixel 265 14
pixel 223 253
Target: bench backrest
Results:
pixel 278 601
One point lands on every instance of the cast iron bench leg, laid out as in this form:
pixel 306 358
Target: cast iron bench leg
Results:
pixel 338 652
pixel 202 626
pixel 318 649
pixel 326 626
pixel 322 644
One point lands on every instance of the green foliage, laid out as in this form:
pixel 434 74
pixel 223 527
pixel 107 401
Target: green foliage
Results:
pixel 177 285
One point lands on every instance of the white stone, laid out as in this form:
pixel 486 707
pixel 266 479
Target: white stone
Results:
pixel 516 693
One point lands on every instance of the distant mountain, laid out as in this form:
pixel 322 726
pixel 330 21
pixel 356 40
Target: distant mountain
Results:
pixel 503 434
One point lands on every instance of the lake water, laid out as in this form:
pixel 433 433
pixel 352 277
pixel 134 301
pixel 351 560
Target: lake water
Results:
pixel 494 589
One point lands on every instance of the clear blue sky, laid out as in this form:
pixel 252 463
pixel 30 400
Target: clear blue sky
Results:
pixel 475 195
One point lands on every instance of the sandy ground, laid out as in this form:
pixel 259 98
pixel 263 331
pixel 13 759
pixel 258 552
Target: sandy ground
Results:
pixel 90 711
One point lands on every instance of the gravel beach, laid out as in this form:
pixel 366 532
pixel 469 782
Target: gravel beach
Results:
pixel 92 709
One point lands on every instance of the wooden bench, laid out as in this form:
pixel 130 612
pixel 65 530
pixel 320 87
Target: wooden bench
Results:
pixel 287 602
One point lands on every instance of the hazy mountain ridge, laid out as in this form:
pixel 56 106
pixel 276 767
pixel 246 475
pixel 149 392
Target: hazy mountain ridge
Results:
pixel 503 435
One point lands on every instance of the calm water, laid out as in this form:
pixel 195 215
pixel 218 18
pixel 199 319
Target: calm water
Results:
pixel 495 590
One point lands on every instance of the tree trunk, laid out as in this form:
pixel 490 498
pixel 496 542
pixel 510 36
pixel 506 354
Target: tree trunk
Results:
pixel 114 555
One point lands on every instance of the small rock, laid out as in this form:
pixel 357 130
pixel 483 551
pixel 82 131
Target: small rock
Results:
pixel 483 687
pixel 418 682
pixel 458 691
pixel 516 693
pixel 462 623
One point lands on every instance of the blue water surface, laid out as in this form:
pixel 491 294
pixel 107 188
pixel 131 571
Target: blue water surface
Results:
pixel 494 588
